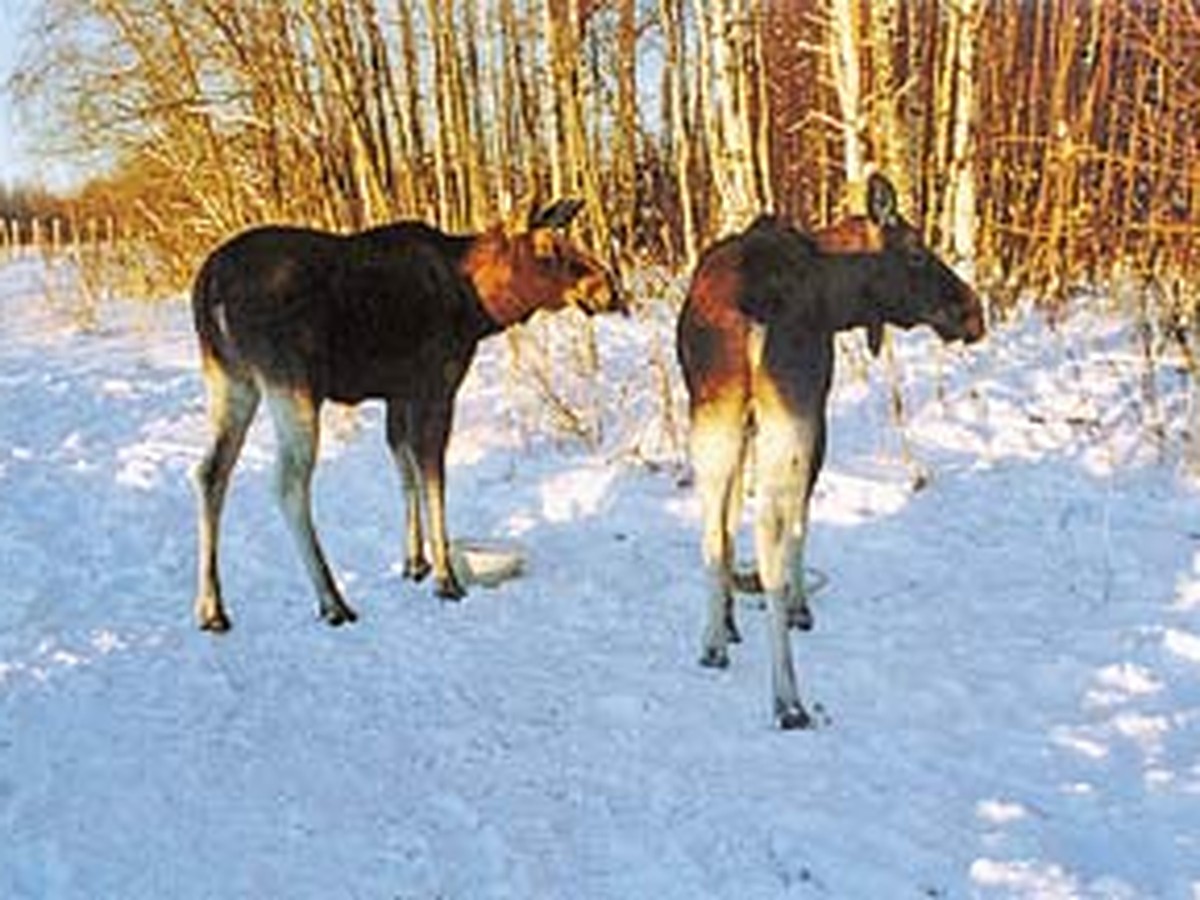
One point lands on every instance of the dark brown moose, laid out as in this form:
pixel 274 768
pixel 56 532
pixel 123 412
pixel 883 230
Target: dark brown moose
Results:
pixel 393 313
pixel 755 342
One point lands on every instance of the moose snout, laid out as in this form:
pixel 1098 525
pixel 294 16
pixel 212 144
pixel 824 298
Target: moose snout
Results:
pixel 602 292
pixel 973 320
pixel 958 315
pixel 959 321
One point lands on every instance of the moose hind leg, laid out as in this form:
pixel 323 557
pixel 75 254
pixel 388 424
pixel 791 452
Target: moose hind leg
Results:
pixel 733 520
pixel 789 711
pixel 772 539
pixel 232 403
pixel 297 431
pixel 716 450
pixel 782 492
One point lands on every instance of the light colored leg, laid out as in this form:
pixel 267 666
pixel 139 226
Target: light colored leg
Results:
pixel 446 583
pixel 431 425
pixel 733 521
pixel 717 443
pixel 231 407
pixel 812 458
pixel 784 453
pixel 416 566
pixel 789 711
pixel 297 429
pixel 799 614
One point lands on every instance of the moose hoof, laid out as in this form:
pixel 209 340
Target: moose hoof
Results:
pixel 416 569
pixel 715 658
pixel 792 717
pixel 731 631
pixel 449 589
pixel 800 617
pixel 215 624
pixel 338 615
pixel 211 617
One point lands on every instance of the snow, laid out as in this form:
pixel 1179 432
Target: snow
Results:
pixel 1007 661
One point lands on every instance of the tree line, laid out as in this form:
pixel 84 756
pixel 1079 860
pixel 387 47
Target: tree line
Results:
pixel 1046 143
pixel 21 201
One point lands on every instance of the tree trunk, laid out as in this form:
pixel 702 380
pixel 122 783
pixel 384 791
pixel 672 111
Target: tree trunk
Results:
pixel 725 32
pixel 671 15
pixel 959 207
pixel 845 29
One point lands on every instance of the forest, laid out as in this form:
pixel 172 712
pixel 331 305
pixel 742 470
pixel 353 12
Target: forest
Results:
pixel 1048 144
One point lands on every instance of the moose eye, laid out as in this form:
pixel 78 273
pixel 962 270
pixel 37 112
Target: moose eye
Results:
pixel 576 268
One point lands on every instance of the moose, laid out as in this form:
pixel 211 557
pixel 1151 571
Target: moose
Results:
pixel 393 313
pixel 755 344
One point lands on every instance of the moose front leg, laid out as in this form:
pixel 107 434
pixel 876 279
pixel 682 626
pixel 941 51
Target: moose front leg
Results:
pixel 433 430
pixel 416 566
pixel 811 458
pixel 799 613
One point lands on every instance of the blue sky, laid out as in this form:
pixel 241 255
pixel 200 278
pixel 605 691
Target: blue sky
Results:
pixel 18 162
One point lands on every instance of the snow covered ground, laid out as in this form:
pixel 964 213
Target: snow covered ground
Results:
pixel 1008 661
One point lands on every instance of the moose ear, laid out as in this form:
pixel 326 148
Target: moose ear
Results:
pixel 557 215
pixel 881 201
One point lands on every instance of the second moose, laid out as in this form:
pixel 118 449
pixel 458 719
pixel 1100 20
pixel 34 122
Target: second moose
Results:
pixel 755 342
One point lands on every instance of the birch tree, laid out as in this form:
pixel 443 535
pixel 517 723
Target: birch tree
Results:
pixel 725 30
pixel 680 145
pixel 959 206
pixel 845 26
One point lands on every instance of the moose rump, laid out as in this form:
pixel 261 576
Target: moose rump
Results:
pixel 755 341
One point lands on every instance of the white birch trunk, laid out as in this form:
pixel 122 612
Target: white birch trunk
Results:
pixel 847 80
pixel 723 25
pixel 960 205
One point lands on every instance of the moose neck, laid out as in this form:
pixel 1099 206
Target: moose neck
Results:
pixel 851 289
pixel 489 267
pixel 505 308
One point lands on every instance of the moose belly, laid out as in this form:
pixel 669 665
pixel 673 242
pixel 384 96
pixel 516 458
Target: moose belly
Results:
pixel 395 369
